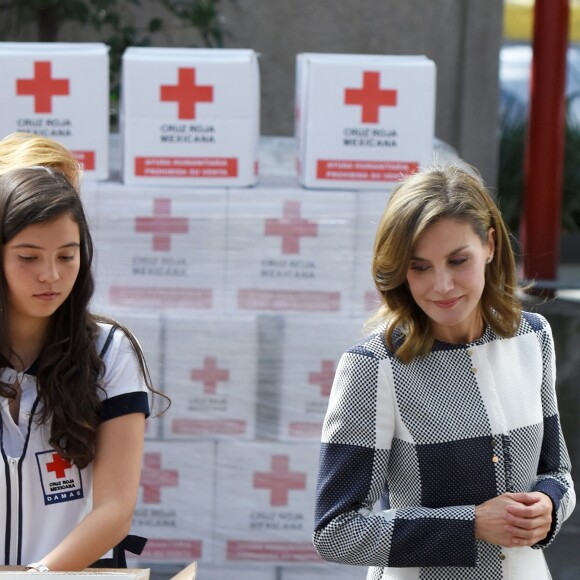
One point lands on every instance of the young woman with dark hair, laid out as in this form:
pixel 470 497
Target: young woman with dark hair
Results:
pixel 74 387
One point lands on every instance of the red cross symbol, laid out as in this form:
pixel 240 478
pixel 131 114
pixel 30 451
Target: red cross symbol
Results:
pixel 42 87
pixel 187 93
pixel 162 225
pixel 59 465
pixel 323 378
pixel 291 227
pixel 210 375
pixel 280 480
pixel 153 478
pixel 371 97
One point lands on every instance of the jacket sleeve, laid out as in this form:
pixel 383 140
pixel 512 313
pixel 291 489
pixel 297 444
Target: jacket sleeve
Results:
pixel 554 466
pixel 354 473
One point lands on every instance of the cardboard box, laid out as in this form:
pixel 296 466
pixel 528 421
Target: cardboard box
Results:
pixel 237 572
pixel 312 349
pixel 290 252
pixel 160 249
pixel 176 502
pixel 270 519
pixel 363 120
pixel 18 573
pixel 190 116
pixel 61 91
pixel 210 373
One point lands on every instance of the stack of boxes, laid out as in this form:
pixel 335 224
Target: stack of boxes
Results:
pixel 243 298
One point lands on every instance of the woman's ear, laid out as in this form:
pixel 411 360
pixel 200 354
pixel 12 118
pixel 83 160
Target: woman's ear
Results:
pixel 491 243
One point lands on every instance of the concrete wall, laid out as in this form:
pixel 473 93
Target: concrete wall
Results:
pixel 462 37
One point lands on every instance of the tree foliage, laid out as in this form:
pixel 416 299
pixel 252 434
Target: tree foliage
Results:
pixel 202 15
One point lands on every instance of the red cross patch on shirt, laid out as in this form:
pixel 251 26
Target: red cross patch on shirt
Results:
pixel 60 479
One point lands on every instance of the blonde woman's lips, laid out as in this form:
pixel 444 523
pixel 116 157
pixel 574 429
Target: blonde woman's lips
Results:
pixel 447 303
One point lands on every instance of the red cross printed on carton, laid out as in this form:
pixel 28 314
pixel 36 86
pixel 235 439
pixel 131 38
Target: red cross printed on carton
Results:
pixel 323 378
pixel 58 466
pixel 371 97
pixel 42 87
pixel 186 93
pixel 210 375
pixel 291 227
pixel 280 480
pixel 161 225
pixel 153 478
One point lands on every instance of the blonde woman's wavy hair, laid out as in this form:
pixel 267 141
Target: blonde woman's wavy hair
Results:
pixel 419 201
pixel 20 149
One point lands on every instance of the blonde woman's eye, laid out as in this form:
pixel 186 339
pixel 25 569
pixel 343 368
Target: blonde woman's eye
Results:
pixel 458 261
pixel 418 267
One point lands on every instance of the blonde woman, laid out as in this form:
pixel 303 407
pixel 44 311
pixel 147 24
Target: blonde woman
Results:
pixel 22 149
pixel 446 413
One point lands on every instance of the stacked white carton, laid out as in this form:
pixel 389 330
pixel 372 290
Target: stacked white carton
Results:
pixel 363 120
pixel 210 372
pixel 190 116
pixel 60 91
pixel 160 248
pixel 271 487
pixel 288 252
pixel 175 507
pixel 310 355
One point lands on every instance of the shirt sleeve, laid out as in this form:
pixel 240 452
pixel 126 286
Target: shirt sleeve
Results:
pixel 125 390
pixel 354 473
pixel 554 466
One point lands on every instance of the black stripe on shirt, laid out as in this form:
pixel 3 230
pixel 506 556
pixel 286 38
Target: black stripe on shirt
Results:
pixel 125 404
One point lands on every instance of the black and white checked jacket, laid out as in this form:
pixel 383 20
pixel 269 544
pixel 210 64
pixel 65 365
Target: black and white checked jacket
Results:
pixel 431 440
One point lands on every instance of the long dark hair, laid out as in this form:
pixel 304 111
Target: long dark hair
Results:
pixel 70 371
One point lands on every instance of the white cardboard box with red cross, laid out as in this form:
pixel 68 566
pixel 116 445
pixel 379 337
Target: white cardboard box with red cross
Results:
pixel 190 116
pixel 61 91
pixel 362 121
pixel 272 487
pixel 288 252
pixel 160 248
pixel 176 502
pixel 310 355
pixel 210 373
